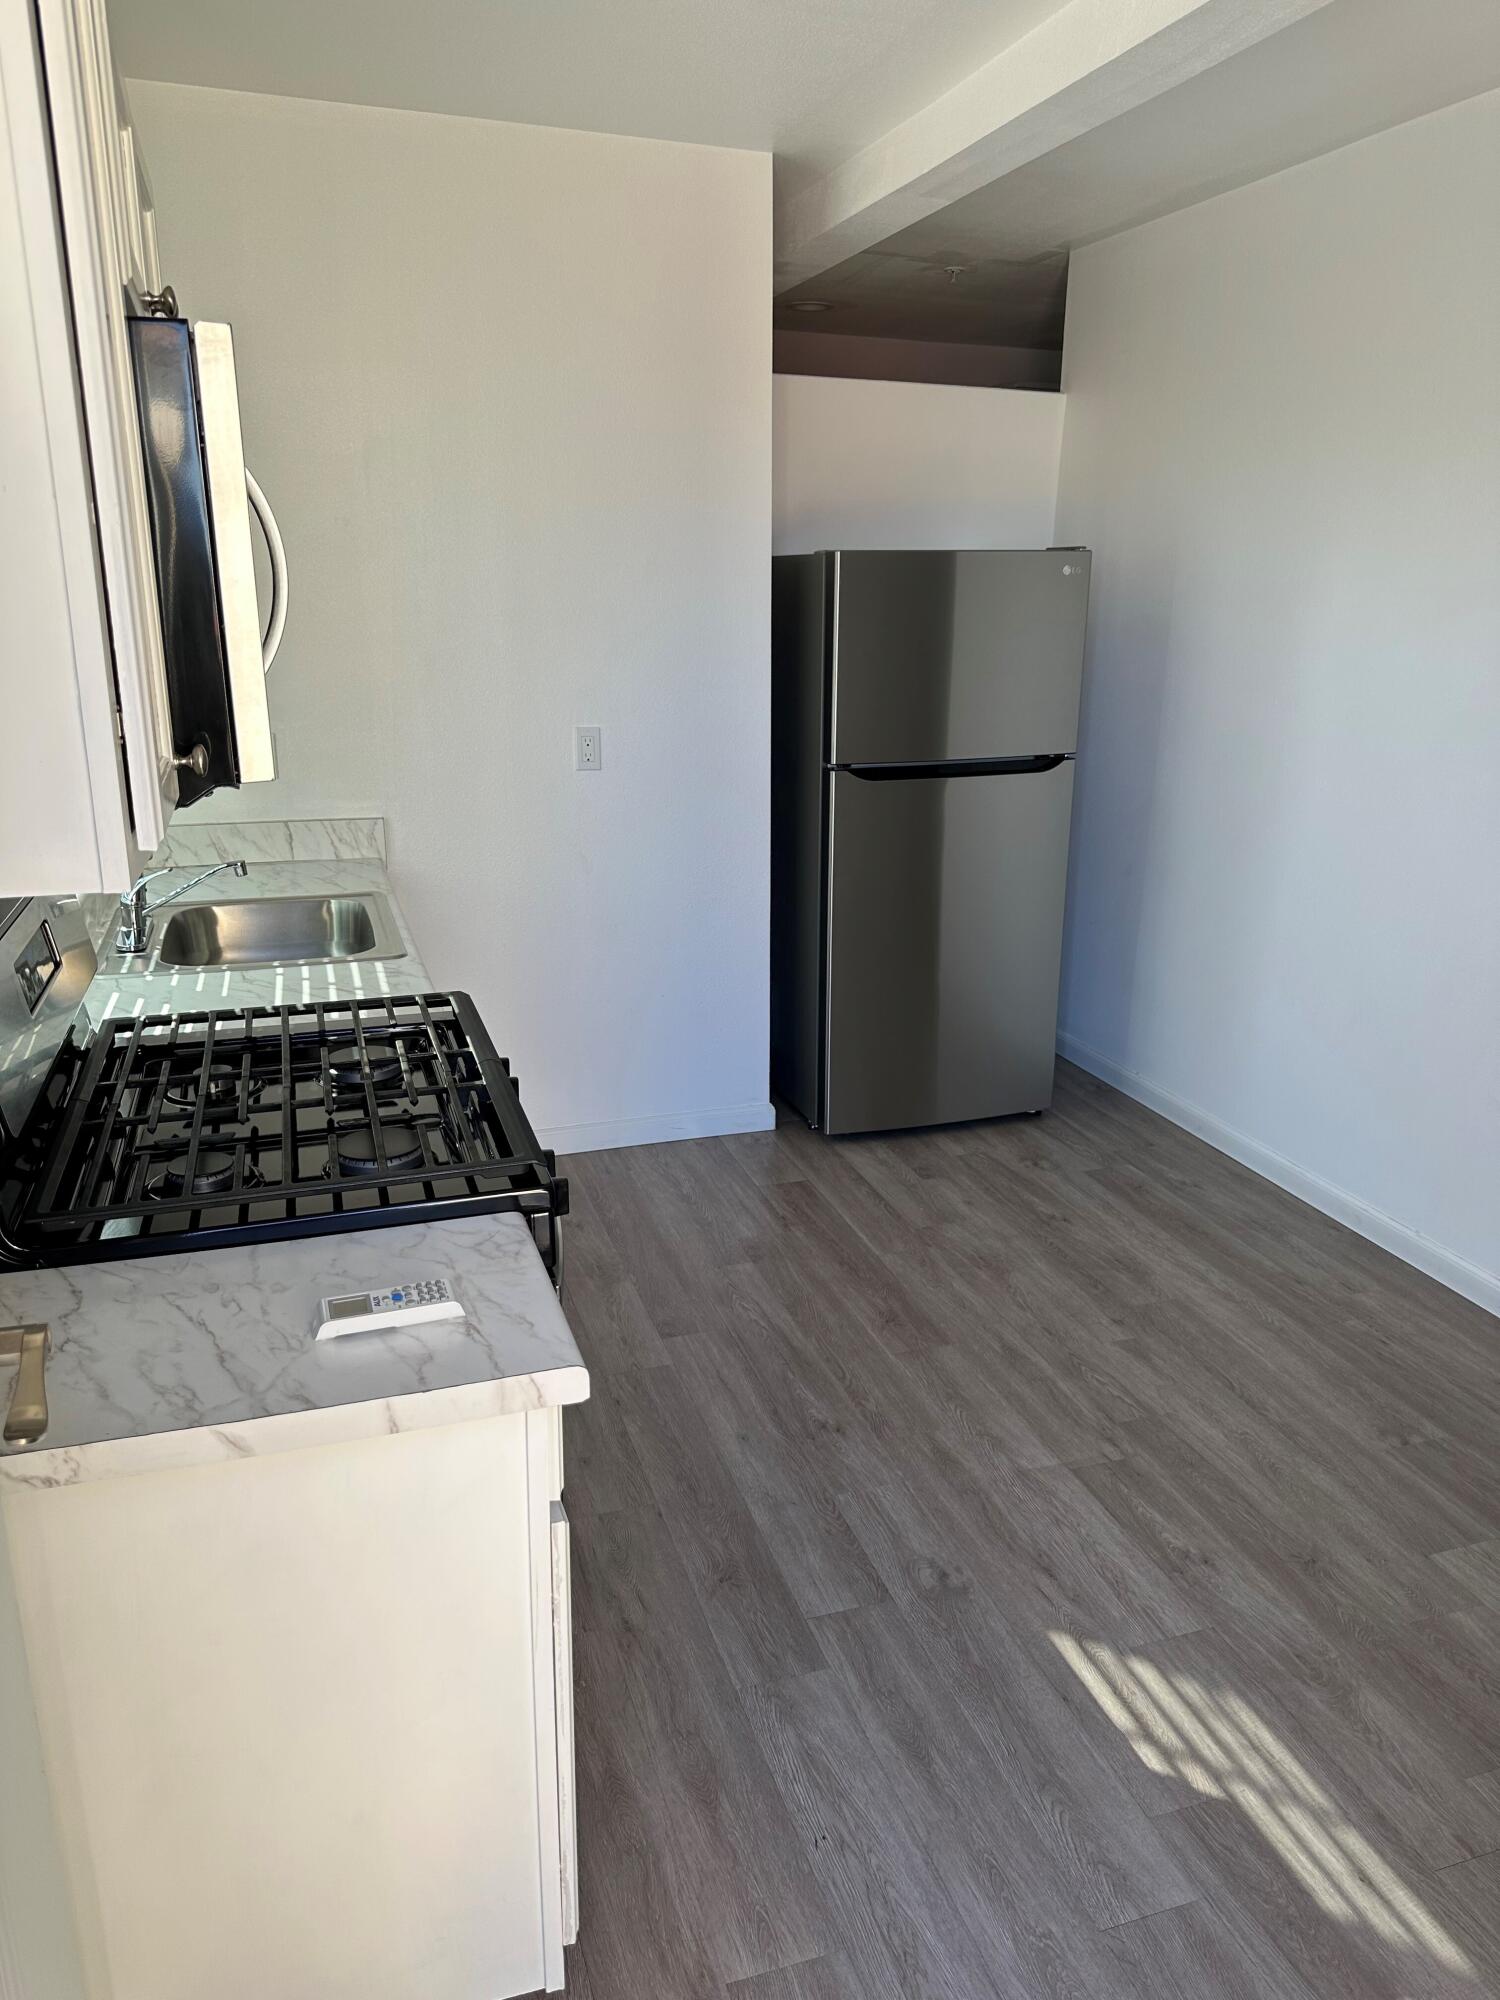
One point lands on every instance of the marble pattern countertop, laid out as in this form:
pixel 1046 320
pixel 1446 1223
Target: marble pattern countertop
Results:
pixel 204 1356
pixel 209 1355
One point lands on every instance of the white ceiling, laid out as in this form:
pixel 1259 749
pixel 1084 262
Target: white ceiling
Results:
pixel 1353 68
pixel 808 80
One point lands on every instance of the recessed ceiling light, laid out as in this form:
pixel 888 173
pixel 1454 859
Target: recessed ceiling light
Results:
pixel 809 305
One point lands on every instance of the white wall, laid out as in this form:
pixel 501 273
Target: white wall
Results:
pixel 509 391
pixel 1283 443
pixel 891 465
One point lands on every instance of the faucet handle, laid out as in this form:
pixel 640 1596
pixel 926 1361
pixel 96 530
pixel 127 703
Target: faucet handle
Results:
pixel 140 882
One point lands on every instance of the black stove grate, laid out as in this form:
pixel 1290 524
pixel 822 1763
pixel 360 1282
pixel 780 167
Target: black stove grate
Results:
pixel 275 1121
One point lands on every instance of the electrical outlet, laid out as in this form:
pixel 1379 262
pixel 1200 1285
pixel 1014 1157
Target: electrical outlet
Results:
pixel 588 747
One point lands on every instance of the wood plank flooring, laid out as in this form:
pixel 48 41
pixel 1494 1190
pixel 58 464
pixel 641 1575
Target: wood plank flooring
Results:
pixel 1031 1561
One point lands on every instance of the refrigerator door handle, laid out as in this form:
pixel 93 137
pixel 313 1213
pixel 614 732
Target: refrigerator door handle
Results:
pixel 959 767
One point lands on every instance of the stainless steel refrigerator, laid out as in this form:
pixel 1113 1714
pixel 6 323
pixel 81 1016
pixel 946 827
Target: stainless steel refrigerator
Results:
pixel 924 722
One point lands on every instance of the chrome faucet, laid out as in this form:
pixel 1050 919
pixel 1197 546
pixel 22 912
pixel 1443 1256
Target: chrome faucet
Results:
pixel 134 933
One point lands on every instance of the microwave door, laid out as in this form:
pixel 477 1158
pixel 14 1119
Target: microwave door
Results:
pixel 200 526
pixel 224 458
pixel 182 543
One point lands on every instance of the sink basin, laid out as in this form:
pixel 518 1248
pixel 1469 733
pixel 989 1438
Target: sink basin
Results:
pixel 280 930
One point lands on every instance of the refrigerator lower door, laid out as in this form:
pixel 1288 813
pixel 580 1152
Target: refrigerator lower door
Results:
pixel 944 916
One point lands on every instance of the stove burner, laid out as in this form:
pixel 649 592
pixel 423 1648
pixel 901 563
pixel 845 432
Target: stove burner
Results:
pixel 382 1066
pixel 220 1088
pixel 284 1103
pixel 213 1172
pixel 355 1154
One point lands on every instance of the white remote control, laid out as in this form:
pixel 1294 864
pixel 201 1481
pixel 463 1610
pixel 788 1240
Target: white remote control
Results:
pixel 416 1304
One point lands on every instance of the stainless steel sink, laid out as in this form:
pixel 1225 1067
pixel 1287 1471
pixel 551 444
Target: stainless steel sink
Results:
pixel 280 930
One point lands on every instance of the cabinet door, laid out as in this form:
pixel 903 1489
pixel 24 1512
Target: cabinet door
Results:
pixel 142 272
pixel 39 1943
pixel 84 688
pixel 335 1799
pixel 111 256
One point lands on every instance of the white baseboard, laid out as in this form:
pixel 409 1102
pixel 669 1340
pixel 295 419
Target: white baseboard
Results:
pixel 653 1131
pixel 1472 1281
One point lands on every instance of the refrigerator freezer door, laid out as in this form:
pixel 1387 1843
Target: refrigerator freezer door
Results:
pixel 945 914
pixel 967 653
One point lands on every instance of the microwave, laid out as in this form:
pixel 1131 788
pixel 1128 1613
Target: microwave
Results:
pixel 200 498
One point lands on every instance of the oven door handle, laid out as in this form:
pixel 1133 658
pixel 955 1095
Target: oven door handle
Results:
pixel 233 555
pixel 276 549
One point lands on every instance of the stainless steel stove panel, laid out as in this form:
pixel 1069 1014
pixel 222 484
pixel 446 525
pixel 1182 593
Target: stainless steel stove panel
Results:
pixel 46 963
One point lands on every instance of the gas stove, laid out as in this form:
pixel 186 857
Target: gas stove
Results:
pixel 230 1126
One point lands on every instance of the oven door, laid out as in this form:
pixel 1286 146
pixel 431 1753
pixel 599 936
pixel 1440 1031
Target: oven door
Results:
pixel 188 405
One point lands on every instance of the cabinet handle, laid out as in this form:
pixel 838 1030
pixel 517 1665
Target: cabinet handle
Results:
pixel 195 761
pixel 27 1347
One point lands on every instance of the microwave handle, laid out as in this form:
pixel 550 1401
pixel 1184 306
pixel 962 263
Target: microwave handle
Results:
pixel 234 559
pixel 276 549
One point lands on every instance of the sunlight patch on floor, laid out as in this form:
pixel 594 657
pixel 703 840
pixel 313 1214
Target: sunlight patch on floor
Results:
pixel 1214 1742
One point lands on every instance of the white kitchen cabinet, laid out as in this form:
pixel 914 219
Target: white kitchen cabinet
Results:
pixel 38 1940
pixel 88 779
pixel 304 1714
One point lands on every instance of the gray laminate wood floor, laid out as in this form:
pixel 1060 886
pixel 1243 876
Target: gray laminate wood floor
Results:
pixel 1033 1559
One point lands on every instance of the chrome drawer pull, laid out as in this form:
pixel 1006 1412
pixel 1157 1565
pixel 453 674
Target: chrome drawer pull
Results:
pixel 27 1347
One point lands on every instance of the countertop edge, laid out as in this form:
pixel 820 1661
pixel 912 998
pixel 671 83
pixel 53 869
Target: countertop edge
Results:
pixel 292 1430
